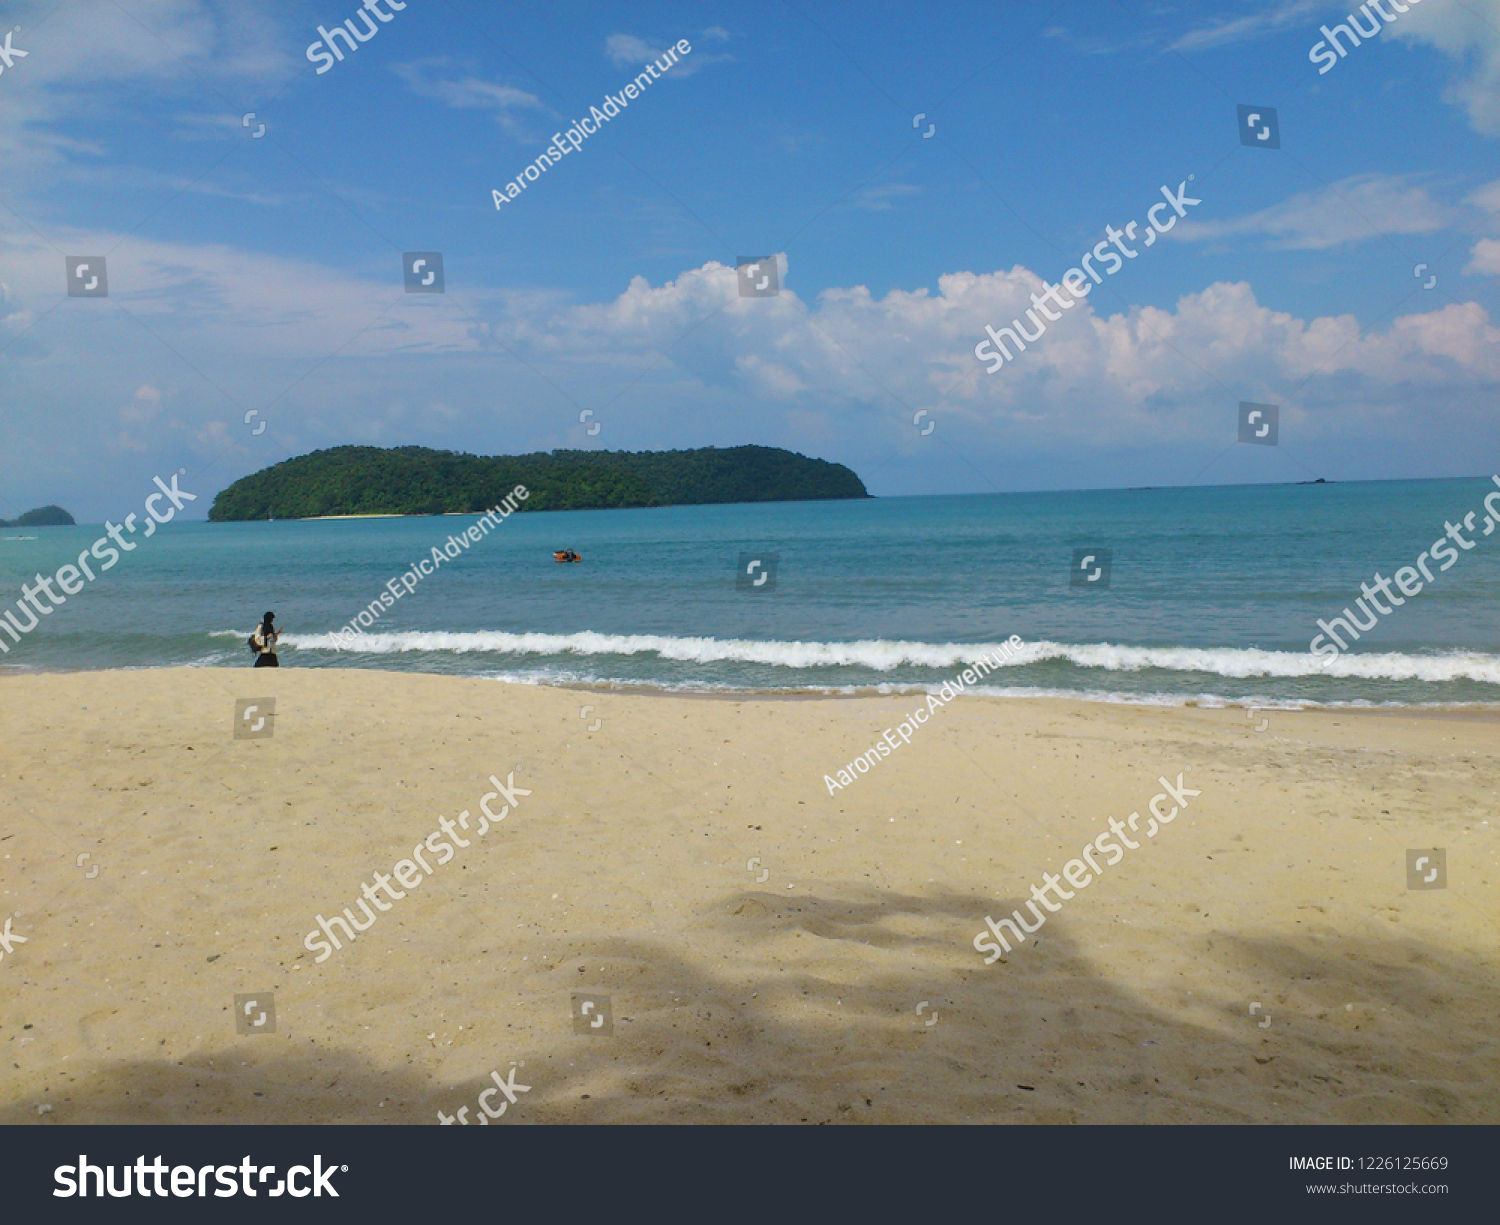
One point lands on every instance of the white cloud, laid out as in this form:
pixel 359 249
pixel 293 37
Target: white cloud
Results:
pixel 625 49
pixel 768 378
pixel 882 199
pixel 423 77
pixel 93 42
pixel 143 407
pixel 327 357
pixel 14 318
pixel 157 48
pixel 1485 257
pixel 1128 379
pixel 1487 198
pixel 628 51
pixel 1469 32
pixel 1351 210
pixel 1264 21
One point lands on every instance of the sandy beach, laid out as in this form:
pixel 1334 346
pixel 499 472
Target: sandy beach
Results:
pixel 770 953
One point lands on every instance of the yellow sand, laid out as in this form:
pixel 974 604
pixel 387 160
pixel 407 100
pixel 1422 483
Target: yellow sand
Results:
pixel 624 872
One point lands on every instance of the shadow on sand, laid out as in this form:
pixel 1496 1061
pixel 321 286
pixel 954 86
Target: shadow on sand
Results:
pixel 1361 1030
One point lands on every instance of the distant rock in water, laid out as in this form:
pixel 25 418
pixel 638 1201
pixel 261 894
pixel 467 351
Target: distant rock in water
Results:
pixel 42 516
pixel 419 481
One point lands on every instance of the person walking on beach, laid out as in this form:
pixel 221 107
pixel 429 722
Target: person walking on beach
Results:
pixel 263 643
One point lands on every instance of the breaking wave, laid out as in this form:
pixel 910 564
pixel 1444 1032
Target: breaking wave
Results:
pixel 882 655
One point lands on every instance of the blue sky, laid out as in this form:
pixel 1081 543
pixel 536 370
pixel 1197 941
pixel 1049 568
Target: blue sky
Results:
pixel 265 273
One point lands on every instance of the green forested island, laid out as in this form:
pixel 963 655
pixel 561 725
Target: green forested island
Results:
pixel 420 481
pixel 42 516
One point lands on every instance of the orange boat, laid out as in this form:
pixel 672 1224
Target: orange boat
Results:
pixel 567 555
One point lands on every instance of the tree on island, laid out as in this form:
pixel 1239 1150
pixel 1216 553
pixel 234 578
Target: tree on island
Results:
pixel 420 481
pixel 42 516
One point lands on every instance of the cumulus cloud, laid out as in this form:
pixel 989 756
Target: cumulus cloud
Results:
pixel 1470 34
pixel 144 407
pixel 844 348
pixel 1130 377
pixel 1485 257
pixel 328 357
pixel 1351 210
pixel 1487 198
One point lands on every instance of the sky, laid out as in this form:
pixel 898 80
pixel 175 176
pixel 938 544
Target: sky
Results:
pixel 917 173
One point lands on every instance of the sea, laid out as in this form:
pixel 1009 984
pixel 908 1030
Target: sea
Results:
pixel 1206 595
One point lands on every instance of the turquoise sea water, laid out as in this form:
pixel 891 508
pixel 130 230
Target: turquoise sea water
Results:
pixel 1213 594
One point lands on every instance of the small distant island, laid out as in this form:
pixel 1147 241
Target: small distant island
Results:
pixel 421 481
pixel 42 516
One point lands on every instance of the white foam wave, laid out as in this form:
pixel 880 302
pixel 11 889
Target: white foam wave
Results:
pixel 883 655
pixel 1243 663
pixel 877 654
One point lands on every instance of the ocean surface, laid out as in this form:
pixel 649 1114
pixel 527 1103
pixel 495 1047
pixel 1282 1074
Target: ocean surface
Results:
pixel 1213 595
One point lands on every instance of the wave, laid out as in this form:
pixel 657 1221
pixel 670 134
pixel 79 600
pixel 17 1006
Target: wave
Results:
pixel 881 655
pixel 1243 663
